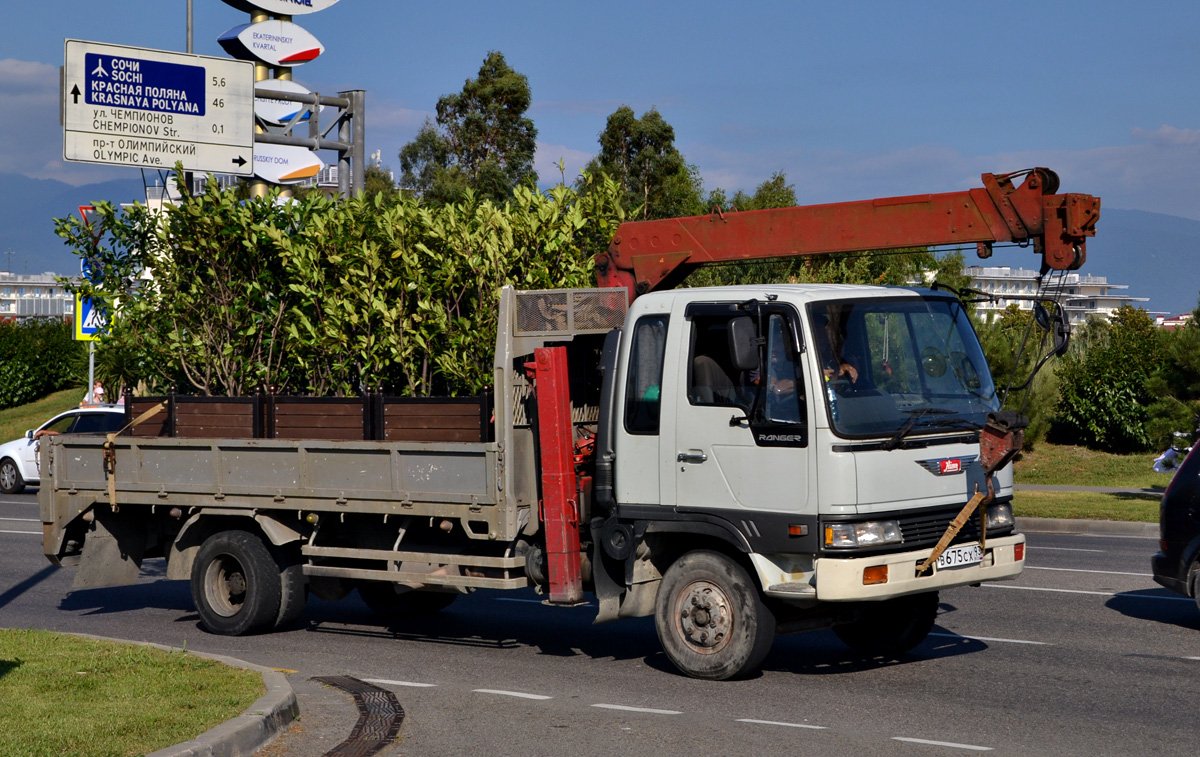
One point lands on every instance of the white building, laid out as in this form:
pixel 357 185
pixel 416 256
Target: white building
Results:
pixel 1082 295
pixel 33 296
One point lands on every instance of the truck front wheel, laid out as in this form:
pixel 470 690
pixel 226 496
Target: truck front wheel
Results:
pixel 891 627
pixel 236 584
pixel 710 618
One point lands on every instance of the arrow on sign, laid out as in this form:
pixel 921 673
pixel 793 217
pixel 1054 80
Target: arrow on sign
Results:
pixel 75 95
pixel 239 161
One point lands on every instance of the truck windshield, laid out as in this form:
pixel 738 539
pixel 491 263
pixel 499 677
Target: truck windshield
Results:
pixel 901 367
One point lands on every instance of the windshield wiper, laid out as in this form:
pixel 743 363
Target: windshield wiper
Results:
pixel 913 417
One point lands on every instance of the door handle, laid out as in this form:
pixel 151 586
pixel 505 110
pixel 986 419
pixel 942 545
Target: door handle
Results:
pixel 691 457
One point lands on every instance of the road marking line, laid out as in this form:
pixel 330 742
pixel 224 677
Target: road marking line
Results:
pixel 1083 570
pixel 33 533
pixel 951 744
pixel 1123 595
pixel 637 709
pixel 23 520
pixel 1064 549
pixel 503 693
pixel 1191 658
pixel 410 684
pixel 788 725
pixel 985 638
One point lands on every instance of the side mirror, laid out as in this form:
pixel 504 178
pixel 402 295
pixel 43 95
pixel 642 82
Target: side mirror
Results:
pixel 743 344
pixel 29 434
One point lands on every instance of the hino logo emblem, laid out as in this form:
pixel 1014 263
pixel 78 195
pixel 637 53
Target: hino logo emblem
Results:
pixel 947 466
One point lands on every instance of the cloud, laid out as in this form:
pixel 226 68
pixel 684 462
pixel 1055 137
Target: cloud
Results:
pixel 1154 171
pixel 545 162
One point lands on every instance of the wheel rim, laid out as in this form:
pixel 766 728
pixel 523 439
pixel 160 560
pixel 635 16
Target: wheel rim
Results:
pixel 703 617
pixel 8 475
pixel 225 585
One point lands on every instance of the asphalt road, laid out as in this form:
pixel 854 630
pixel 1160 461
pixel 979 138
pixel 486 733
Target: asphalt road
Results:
pixel 1083 655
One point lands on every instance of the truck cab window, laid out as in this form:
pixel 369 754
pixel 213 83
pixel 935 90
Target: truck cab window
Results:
pixel 643 386
pixel 784 395
pixel 712 378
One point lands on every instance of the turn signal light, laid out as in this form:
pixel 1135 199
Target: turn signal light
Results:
pixel 1019 552
pixel 875 575
pixel 797 530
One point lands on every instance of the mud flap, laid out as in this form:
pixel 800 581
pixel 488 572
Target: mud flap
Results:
pixel 112 552
pixel 608 591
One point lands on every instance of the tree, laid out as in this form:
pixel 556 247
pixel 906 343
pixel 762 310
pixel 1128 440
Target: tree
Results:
pixel 775 192
pixel 1104 388
pixel 640 155
pixel 482 140
pixel 1176 384
pixel 377 180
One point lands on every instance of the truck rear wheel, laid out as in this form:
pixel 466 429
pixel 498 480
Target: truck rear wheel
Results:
pixel 710 618
pixel 891 627
pixel 236 584
pixel 389 604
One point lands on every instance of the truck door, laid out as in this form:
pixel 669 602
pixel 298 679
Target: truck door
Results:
pixel 741 435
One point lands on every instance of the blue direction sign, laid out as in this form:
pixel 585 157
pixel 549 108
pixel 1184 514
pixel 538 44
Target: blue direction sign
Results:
pixel 91 322
pixel 131 106
pixel 144 84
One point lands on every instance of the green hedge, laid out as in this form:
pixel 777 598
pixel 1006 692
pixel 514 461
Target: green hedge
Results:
pixel 37 357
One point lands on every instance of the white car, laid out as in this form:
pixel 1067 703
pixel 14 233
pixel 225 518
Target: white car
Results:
pixel 18 458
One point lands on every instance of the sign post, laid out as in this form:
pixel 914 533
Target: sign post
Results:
pixel 132 106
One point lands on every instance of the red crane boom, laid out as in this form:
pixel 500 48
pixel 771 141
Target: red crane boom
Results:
pixel 649 255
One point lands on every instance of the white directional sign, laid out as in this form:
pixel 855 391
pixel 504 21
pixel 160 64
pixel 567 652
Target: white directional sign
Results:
pixel 280 112
pixel 280 43
pixel 131 106
pixel 286 7
pixel 285 164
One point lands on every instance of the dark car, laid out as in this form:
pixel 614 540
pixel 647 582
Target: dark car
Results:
pixel 1177 563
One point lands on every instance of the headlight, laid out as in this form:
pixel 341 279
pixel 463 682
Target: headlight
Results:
pixel 999 516
pixel 872 533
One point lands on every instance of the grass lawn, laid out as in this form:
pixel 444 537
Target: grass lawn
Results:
pixel 1079 466
pixel 63 695
pixel 15 421
pixel 1132 507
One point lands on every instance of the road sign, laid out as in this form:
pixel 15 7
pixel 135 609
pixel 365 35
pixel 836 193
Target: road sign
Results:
pixel 285 164
pixel 129 106
pixel 283 7
pixel 91 321
pixel 280 43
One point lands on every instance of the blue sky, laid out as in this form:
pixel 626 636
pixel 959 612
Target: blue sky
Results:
pixel 851 99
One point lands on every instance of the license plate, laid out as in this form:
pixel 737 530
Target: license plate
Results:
pixel 956 557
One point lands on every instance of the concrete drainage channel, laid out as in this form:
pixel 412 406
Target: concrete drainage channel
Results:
pixel 379 717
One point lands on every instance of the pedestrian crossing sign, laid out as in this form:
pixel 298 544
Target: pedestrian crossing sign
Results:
pixel 91 321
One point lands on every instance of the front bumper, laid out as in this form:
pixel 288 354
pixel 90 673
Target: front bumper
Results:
pixel 841 579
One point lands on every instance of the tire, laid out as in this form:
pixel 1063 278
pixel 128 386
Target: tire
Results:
pixel 236 584
pixel 1194 573
pixel 386 602
pixel 891 627
pixel 293 592
pixel 710 618
pixel 11 481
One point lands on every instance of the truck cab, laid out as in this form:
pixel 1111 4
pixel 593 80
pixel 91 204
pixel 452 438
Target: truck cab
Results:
pixel 826 435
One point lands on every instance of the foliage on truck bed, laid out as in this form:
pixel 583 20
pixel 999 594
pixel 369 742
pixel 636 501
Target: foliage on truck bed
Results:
pixel 329 297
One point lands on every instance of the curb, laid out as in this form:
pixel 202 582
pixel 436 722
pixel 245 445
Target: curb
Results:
pixel 1094 527
pixel 244 735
